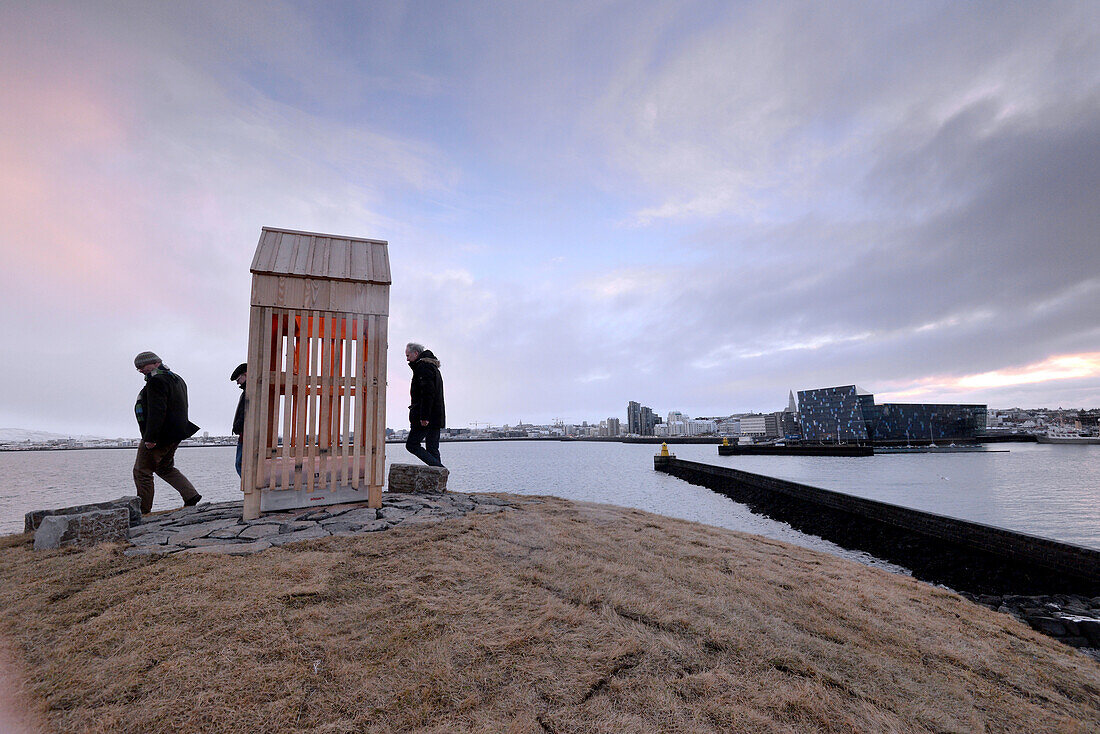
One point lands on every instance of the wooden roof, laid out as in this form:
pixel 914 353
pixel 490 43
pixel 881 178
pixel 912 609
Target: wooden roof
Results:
pixel 315 255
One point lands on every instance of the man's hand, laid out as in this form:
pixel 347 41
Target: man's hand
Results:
pixel 424 423
pixel 150 444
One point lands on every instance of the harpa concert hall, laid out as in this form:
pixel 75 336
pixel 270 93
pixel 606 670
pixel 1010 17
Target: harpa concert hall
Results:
pixel 848 413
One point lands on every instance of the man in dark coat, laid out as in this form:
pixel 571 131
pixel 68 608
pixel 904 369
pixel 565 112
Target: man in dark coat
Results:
pixel 240 376
pixel 161 412
pixel 426 413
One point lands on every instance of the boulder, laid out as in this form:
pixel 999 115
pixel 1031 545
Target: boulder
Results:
pixel 1090 628
pixel 82 529
pixel 417 479
pixel 33 519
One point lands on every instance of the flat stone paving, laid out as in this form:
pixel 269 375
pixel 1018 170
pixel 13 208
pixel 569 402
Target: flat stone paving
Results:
pixel 219 527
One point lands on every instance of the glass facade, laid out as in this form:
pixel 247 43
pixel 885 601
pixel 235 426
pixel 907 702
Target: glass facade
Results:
pixel 922 422
pixel 833 414
pixel 847 413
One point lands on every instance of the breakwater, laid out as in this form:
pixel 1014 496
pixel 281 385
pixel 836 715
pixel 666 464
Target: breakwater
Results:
pixel 968 556
pixel 794 450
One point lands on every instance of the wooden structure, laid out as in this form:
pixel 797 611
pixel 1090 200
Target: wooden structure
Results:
pixel 315 429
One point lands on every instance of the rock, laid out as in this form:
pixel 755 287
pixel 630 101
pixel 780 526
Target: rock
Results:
pixel 149 550
pixel 417 479
pixel 487 500
pixel 1074 641
pixel 1090 628
pixel 253 532
pixel 145 527
pixel 33 519
pixel 308 534
pixel 196 542
pixel 151 539
pixel 394 513
pixel 342 528
pixel 358 515
pixel 231 549
pixel 296 525
pixel 82 529
pixel 228 533
pixel 199 530
pixel 1048 626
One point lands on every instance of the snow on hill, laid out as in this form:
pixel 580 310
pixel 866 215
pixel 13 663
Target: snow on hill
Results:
pixel 19 435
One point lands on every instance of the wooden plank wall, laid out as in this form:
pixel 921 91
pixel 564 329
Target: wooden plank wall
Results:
pixel 321 388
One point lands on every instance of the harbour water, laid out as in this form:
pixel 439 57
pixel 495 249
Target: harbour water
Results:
pixel 1047 490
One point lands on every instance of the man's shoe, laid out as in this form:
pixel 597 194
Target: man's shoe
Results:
pixel 193 501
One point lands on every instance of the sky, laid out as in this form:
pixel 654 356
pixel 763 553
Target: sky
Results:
pixel 696 205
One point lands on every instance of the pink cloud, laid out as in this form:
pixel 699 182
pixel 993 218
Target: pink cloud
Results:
pixel 1052 370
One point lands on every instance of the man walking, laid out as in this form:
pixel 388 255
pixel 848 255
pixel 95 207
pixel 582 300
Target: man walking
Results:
pixel 426 413
pixel 161 412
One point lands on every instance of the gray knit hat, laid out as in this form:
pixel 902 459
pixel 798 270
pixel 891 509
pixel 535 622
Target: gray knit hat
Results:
pixel 145 358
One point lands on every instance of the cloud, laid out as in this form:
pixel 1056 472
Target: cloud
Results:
pixel 896 196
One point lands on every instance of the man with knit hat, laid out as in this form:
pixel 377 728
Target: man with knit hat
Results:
pixel 161 412
pixel 240 376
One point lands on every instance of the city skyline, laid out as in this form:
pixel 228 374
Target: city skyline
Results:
pixel 705 203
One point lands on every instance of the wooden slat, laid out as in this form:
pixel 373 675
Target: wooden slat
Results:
pixel 347 380
pixel 298 444
pixel 367 368
pixel 301 255
pixel 360 261
pixel 285 254
pixel 251 428
pixel 318 258
pixel 265 251
pixel 276 365
pixel 379 437
pixel 324 435
pixel 337 259
pixel 360 354
pixel 380 269
pixel 310 433
pixel 288 400
pixel 263 398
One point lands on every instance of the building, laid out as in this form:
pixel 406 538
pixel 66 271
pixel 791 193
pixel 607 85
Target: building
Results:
pixel 634 418
pixel 849 414
pixel 640 419
pixel 897 422
pixel 760 425
pixel 835 414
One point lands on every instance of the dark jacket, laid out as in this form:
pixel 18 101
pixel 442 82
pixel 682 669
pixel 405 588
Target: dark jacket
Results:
pixel 162 408
pixel 426 392
pixel 238 418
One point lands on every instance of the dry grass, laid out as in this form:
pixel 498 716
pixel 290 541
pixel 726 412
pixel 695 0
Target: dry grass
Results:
pixel 559 617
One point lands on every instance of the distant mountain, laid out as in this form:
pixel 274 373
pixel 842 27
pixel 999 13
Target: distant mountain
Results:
pixel 19 435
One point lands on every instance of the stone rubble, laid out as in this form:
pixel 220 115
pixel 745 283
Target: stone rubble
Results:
pixel 219 528
pixel 1069 618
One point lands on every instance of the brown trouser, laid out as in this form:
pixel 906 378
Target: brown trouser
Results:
pixel 159 460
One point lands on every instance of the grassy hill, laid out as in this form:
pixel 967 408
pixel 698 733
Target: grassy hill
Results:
pixel 555 616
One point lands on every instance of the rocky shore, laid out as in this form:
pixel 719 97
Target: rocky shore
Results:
pixel 1070 619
